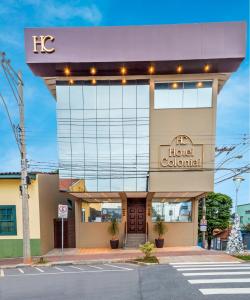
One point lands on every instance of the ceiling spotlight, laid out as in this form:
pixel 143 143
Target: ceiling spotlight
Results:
pixel 179 69
pixel 123 70
pixel 124 81
pixel 199 84
pixel 93 81
pixel 67 71
pixel 93 71
pixel 151 70
pixel 71 81
pixel 175 85
pixel 207 68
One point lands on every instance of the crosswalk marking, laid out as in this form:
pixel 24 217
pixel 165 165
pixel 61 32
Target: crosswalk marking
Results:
pixel 216 273
pixel 205 265
pixel 214 268
pixel 38 269
pixel 95 267
pixel 59 269
pixel 1 273
pixel 217 280
pixel 205 262
pixel 20 270
pixel 225 291
pixel 113 266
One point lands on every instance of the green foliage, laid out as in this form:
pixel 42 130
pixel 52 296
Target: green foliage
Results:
pixel 218 212
pixel 150 259
pixel 243 257
pixel 113 228
pixel 160 227
pixel 147 249
pixel 246 227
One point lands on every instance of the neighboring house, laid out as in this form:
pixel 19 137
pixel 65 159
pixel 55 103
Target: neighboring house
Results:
pixel 244 213
pixel 44 197
pixel 219 241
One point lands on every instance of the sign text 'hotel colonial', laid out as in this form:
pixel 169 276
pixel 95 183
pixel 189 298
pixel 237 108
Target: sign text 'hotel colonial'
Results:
pixel 182 153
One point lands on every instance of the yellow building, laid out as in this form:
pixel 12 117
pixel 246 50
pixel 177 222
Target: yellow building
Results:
pixel 44 198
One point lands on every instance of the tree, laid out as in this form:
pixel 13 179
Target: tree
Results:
pixel 218 213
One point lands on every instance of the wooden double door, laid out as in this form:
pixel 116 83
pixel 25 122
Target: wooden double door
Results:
pixel 136 216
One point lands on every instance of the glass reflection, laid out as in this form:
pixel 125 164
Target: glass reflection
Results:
pixel 103 134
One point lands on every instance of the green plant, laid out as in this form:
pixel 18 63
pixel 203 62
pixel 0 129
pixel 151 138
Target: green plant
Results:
pixel 147 249
pixel 160 227
pixel 113 228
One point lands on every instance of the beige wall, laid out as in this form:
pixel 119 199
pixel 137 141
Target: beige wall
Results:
pixel 10 195
pixel 165 124
pixel 49 198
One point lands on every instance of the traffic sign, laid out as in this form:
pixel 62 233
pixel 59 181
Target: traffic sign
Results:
pixel 62 211
pixel 203 228
pixel 203 222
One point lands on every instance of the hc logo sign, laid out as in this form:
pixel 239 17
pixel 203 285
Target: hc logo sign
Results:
pixel 41 41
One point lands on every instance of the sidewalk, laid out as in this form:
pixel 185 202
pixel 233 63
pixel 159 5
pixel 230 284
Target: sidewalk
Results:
pixel 100 255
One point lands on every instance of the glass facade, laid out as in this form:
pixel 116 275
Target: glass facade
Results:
pixel 183 94
pixel 103 134
pixel 172 211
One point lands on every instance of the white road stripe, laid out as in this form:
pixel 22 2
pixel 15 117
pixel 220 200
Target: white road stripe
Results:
pixel 113 266
pixel 204 266
pixel 1 273
pixel 38 269
pixel 205 263
pixel 95 267
pixel 226 280
pixel 59 269
pixel 20 270
pixel 76 268
pixel 215 273
pixel 214 268
pixel 225 291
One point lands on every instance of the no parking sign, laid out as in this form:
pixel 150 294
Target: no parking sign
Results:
pixel 62 211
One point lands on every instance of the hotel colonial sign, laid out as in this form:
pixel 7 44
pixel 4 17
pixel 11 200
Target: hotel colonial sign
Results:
pixel 181 154
pixel 39 44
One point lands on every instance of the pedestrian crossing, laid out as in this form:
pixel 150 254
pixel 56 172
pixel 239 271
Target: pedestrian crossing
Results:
pixel 217 278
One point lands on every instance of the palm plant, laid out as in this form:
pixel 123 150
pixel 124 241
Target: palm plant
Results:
pixel 113 228
pixel 160 227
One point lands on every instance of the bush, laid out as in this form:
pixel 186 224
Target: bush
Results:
pixel 147 249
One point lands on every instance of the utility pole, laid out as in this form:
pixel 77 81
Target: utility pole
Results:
pixel 24 176
pixel 204 218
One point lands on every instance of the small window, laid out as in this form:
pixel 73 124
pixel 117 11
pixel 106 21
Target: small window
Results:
pixel 8 220
pixel 188 94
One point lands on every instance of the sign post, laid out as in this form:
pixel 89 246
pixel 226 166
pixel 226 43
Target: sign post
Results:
pixel 62 214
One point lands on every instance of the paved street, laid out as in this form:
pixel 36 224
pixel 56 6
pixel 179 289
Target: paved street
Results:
pixel 229 280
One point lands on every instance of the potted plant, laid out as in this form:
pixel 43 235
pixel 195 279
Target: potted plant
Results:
pixel 114 230
pixel 160 228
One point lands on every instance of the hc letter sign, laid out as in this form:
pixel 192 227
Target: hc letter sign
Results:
pixel 41 41
pixel 181 154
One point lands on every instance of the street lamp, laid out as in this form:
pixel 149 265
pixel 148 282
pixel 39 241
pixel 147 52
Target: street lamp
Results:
pixel 237 181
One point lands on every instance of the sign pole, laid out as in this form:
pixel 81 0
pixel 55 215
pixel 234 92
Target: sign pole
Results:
pixel 62 236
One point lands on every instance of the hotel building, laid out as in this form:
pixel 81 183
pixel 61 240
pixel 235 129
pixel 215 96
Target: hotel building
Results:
pixel 136 121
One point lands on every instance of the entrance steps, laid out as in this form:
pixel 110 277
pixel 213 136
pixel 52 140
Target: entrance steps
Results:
pixel 134 240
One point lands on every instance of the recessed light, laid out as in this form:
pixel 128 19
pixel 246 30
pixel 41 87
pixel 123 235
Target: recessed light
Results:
pixel 175 85
pixel 67 71
pixel 179 69
pixel 93 71
pixel 123 70
pixel 151 69
pixel 207 68
pixel 71 81
pixel 93 81
pixel 124 81
pixel 199 84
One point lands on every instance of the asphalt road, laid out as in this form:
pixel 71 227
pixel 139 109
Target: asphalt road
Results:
pixel 127 282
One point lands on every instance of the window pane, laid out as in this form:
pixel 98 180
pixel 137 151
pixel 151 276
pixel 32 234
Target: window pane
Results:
pixel 8 220
pixel 101 211
pixel 172 211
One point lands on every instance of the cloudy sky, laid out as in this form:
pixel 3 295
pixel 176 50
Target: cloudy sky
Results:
pixel 233 101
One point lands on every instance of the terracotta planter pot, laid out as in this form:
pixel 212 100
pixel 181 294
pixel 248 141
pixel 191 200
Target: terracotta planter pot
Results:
pixel 159 243
pixel 114 244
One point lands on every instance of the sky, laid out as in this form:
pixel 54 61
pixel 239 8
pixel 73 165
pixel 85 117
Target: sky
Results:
pixel 233 101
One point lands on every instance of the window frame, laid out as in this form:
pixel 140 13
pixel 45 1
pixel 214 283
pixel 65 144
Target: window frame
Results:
pixel 14 221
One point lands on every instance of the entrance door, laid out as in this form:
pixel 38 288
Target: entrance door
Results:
pixel 136 215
